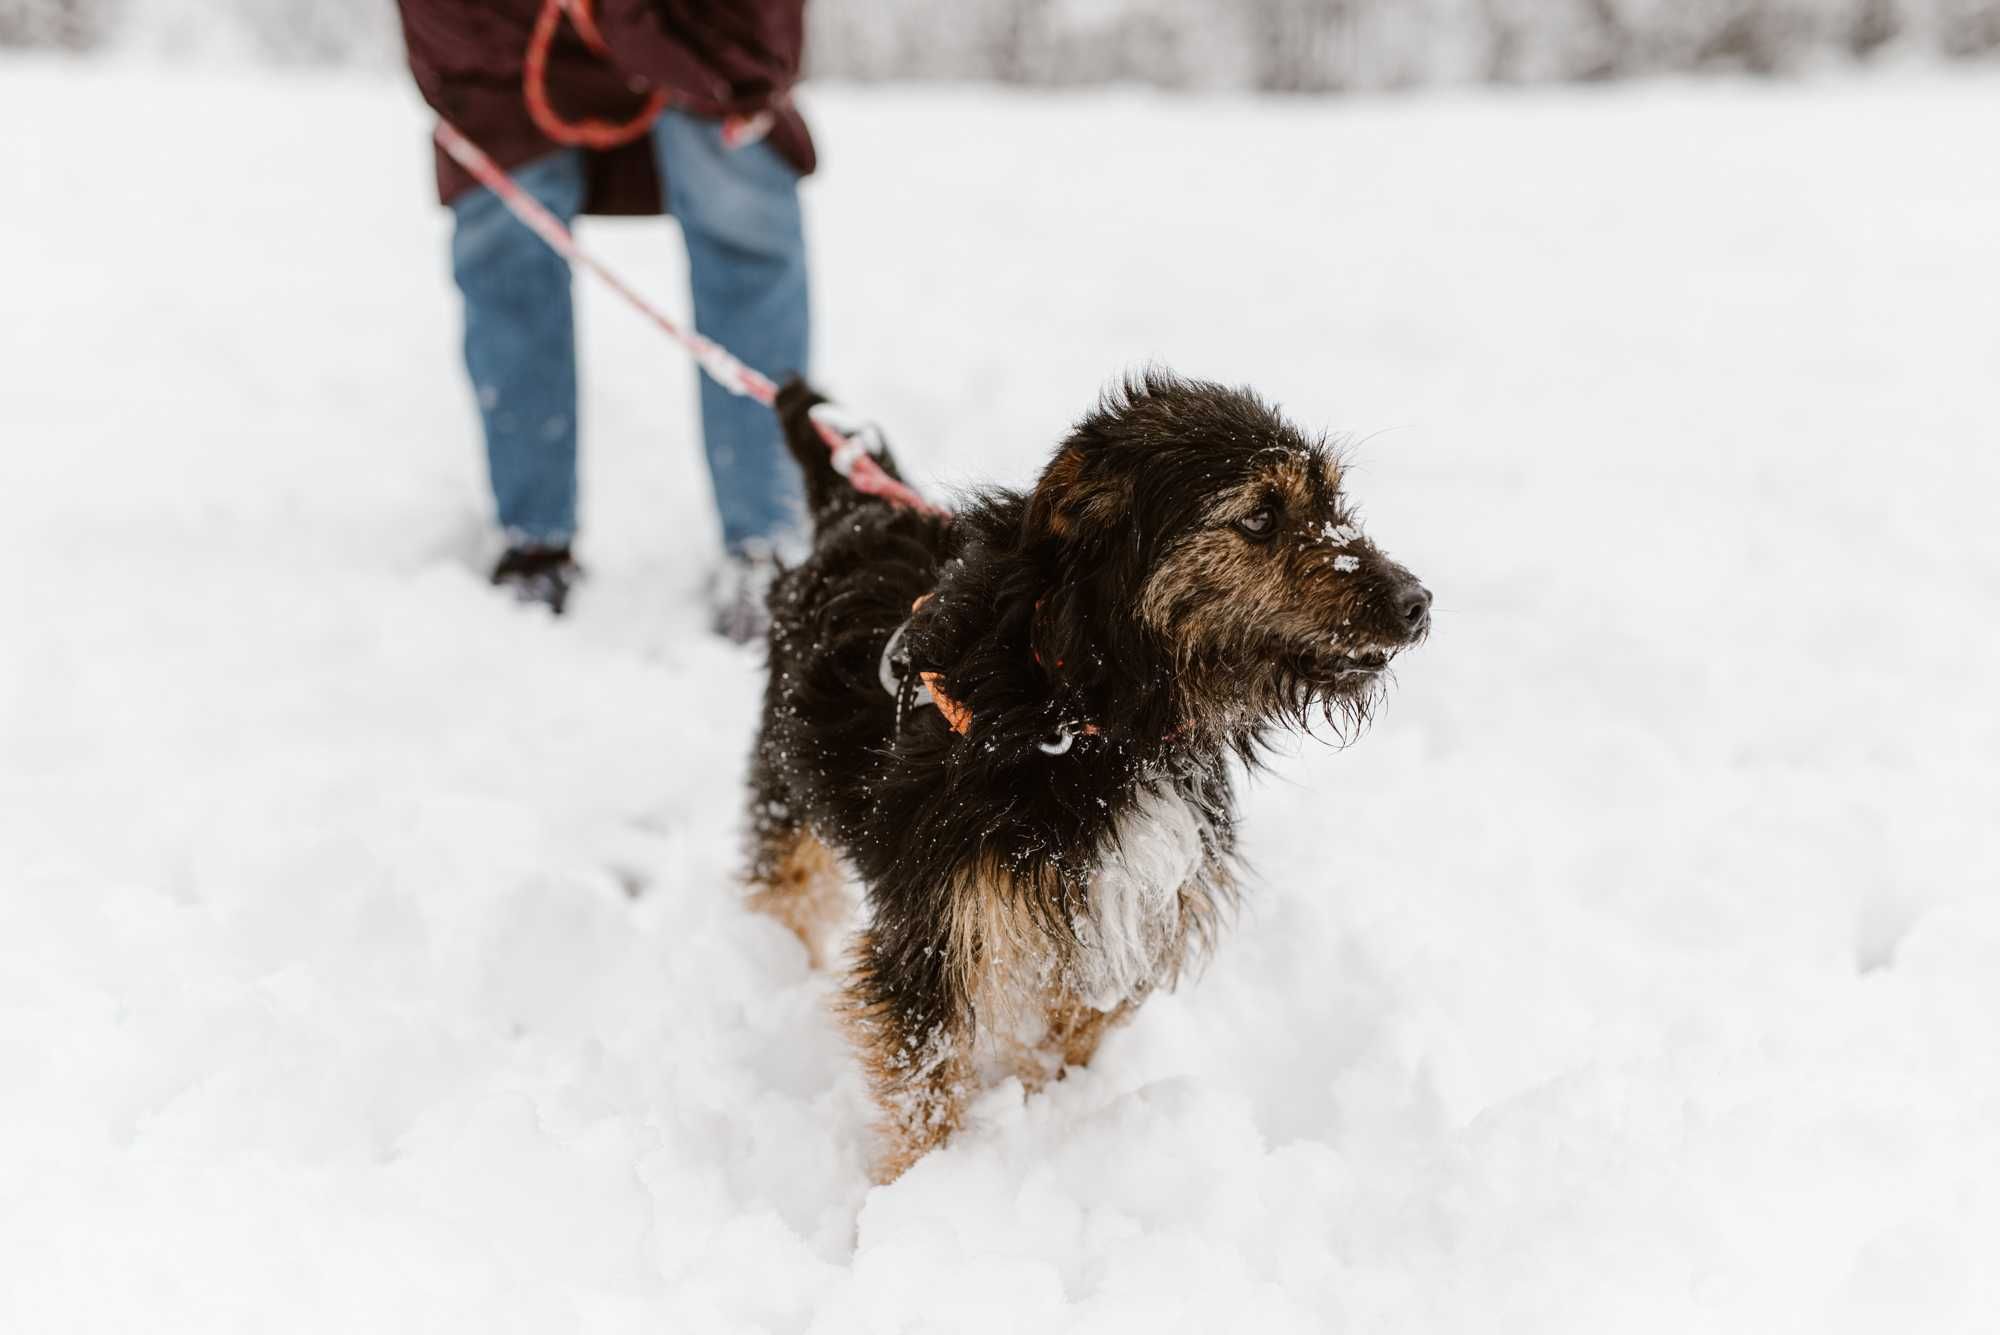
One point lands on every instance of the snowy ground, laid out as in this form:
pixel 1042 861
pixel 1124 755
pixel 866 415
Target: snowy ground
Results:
pixel 368 953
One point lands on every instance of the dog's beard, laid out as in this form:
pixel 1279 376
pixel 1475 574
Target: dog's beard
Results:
pixel 1315 690
pixel 1329 694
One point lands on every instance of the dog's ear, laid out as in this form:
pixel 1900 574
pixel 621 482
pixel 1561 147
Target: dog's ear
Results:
pixel 1080 525
pixel 1073 498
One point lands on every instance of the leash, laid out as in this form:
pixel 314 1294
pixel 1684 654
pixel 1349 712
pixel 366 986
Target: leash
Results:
pixel 853 444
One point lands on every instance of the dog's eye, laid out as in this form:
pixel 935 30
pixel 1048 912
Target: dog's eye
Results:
pixel 1258 523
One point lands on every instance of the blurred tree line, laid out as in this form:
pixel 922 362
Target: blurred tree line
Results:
pixel 1275 45
pixel 1312 46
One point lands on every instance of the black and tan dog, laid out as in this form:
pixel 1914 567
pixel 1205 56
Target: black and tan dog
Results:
pixel 1017 726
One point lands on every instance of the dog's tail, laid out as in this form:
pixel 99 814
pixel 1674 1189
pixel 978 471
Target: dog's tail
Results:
pixel 827 492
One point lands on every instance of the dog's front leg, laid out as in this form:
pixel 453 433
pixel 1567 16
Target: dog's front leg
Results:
pixel 916 1057
pixel 1075 1028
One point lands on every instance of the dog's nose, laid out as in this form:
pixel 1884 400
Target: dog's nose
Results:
pixel 1411 603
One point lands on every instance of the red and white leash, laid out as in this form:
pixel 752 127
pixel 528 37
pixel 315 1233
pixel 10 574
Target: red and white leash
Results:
pixel 854 444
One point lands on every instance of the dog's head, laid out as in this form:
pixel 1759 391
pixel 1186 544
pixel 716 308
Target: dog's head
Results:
pixel 1197 536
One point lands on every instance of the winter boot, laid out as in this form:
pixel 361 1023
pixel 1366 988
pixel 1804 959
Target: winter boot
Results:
pixel 738 593
pixel 537 574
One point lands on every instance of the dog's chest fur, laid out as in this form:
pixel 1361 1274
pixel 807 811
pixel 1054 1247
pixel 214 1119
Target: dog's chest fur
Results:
pixel 1130 935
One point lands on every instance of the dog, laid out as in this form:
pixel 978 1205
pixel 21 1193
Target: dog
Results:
pixel 1016 727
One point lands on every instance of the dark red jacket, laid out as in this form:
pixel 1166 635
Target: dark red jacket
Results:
pixel 714 57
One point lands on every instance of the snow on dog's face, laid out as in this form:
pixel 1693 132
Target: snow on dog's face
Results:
pixel 1275 570
pixel 1225 535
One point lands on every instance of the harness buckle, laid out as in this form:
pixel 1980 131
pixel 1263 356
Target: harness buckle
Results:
pixel 848 436
pixel 894 673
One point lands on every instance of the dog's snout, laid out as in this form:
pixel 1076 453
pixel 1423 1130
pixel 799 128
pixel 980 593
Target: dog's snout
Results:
pixel 1410 602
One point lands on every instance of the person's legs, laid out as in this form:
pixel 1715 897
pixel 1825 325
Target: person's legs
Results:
pixel 520 349
pixel 739 212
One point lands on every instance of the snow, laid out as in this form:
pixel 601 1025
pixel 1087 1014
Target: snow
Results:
pixel 368 953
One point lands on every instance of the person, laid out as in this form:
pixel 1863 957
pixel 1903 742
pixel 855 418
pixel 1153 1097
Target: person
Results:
pixel 635 107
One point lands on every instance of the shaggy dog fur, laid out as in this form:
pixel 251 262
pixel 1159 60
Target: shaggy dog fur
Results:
pixel 1183 580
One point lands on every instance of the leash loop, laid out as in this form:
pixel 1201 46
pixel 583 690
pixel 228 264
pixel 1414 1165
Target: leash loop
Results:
pixel 595 134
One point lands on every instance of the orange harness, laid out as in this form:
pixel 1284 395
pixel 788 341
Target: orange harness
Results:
pixel 958 715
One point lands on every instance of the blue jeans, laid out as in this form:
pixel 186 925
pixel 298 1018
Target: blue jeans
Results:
pixel 739 214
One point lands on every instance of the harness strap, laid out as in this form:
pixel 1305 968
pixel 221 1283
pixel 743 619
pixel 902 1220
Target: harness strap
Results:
pixel 957 714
